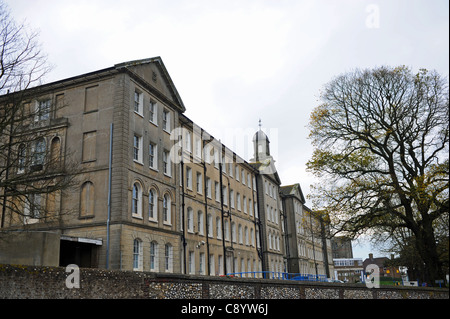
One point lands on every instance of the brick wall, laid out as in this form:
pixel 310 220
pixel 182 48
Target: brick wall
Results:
pixel 50 282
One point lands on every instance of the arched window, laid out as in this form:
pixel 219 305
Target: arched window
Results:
pixel 137 254
pixel 152 205
pixel 55 151
pixel 167 218
pixel 87 199
pixel 154 256
pixel 136 200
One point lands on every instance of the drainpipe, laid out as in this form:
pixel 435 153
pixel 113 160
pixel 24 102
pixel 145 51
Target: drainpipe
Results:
pixel 223 213
pixel 286 232
pixel 206 216
pixel 183 238
pixel 109 195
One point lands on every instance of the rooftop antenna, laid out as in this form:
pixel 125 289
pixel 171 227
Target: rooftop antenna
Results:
pixel 260 124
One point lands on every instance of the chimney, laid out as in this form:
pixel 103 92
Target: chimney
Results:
pixel 371 256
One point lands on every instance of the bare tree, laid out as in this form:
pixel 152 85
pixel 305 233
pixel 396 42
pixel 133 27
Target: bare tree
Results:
pixel 381 142
pixel 33 168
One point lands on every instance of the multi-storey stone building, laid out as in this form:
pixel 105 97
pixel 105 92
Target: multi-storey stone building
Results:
pixel 153 191
pixel 309 246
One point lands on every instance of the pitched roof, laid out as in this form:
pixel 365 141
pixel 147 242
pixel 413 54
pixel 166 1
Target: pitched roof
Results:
pixel 171 96
pixel 293 190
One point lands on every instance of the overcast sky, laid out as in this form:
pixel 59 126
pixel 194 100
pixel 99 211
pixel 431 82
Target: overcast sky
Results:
pixel 234 62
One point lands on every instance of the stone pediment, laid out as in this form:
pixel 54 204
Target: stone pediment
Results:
pixel 153 75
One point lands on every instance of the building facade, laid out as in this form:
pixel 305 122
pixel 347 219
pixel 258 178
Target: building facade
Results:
pixel 152 191
pixel 309 246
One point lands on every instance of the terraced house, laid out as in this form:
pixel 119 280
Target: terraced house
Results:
pixel 150 190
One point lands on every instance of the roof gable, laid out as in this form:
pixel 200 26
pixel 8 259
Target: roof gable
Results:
pixel 153 75
pixel 293 190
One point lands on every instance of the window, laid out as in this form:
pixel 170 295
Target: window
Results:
pixel 217 191
pixel 191 263
pixel 243 177
pixel 167 209
pixel 211 265
pixel 232 198
pixel 247 242
pixel 153 156
pixel 87 199
pixel 189 177
pixel 210 226
pixel 207 155
pixel 245 204
pixel 166 163
pixel 224 166
pixel 137 148
pixel 225 195
pixel 153 112
pixel 240 234
pixel 216 158
pixel 154 256
pixel 136 201
pixel 198 146
pixel 220 264
pixel 199 183
pixel 233 232
pixel 166 121
pixel 202 264
pixel 226 227
pixel 39 147
pixel 238 197
pixel 237 173
pixel 218 228
pixel 21 158
pixel 42 110
pixel 32 211
pixel 208 187
pixel 152 205
pixel 137 255
pixel 200 222
pixel 138 102
pixel 89 146
pixel 168 258
pixel 187 142
pixel 190 220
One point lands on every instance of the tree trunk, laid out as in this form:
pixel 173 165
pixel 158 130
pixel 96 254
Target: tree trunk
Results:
pixel 426 246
